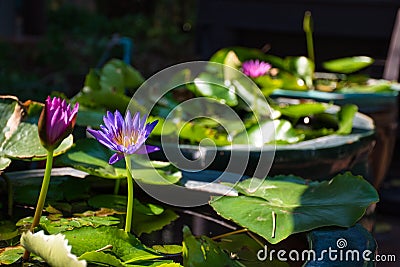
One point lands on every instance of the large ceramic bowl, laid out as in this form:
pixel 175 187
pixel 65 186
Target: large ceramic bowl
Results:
pixel 382 107
pixel 319 158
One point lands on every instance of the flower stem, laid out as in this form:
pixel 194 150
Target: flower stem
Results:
pixel 116 186
pixel 129 206
pixel 307 26
pixel 43 191
pixel 42 195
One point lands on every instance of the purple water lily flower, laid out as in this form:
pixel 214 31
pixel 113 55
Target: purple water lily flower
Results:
pixel 255 68
pixel 125 137
pixel 56 122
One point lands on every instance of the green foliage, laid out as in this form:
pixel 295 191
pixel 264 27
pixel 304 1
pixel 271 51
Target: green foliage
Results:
pixel 348 64
pixel 269 211
pixel 124 246
pixel 298 73
pixel 146 217
pixel 105 88
pixel 202 251
pixel 10 255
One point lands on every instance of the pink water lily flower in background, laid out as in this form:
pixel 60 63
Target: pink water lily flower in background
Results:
pixel 255 68
pixel 56 122
pixel 125 137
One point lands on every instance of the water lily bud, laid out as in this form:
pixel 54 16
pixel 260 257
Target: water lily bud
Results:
pixel 56 122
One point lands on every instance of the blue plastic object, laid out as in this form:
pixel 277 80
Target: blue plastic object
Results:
pixel 127 45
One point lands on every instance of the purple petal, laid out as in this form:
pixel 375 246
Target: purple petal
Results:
pixel 74 112
pixel 115 158
pixel 150 128
pixel 118 121
pixel 136 121
pixel 146 149
pixel 142 122
pixel 109 122
pixel 102 138
pixel 128 122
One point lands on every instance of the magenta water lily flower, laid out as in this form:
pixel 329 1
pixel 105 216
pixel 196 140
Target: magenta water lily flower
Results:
pixel 125 137
pixel 255 68
pixel 56 122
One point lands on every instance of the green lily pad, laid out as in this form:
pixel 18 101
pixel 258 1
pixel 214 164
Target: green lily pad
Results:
pixel 269 131
pixel 7 230
pixel 124 246
pixel 246 249
pixel 105 88
pixel 271 212
pixel 345 117
pixel 147 217
pixel 348 64
pixel 10 255
pixel 168 249
pixel 302 67
pixel 302 110
pixel 203 251
pixel 99 257
pixel 19 138
pixel 212 86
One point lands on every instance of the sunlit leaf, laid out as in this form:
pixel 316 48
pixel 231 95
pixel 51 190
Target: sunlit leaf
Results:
pixel 213 86
pixel 348 64
pixel 10 255
pixel 125 246
pixel 271 212
pixel 345 117
pixel 302 110
pixel 269 131
pixel 148 217
pixel 168 249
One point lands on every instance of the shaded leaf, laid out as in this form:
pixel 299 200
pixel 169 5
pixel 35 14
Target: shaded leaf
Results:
pixel 202 251
pixel 102 258
pixel 102 212
pixel 147 224
pixel 7 230
pixel 66 224
pixel 245 249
